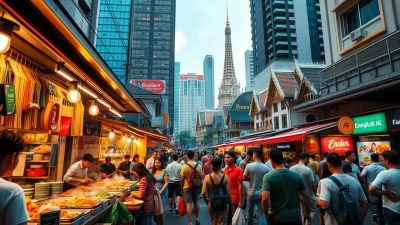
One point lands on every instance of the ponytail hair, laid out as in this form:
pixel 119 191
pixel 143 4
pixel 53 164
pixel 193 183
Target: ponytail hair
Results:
pixel 216 164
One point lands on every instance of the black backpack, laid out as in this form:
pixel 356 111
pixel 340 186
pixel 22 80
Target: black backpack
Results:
pixel 218 196
pixel 349 212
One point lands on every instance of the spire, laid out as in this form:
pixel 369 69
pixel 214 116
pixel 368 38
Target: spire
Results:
pixel 227 13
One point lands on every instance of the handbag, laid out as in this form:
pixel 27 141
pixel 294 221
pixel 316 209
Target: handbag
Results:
pixel 181 207
pixel 238 217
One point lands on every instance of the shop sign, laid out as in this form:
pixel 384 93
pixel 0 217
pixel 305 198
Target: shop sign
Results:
pixel 368 145
pixel 155 86
pixel 312 145
pixel 374 123
pixel 54 116
pixel 346 125
pixel 286 146
pixel 65 126
pixel 394 119
pixel 7 99
pixel 91 127
pixel 338 144
pixel 157 121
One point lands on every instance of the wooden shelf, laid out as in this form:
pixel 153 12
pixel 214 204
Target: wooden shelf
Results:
pixel 38 161
pixel 30 178
pixel 38 143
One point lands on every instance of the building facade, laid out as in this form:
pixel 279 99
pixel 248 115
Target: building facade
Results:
pixel 284 30
pixel 249 66
pixel 191 100
pixel 208 70
pixel 177 74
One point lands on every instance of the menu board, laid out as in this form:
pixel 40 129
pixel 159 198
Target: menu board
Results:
pixel 368 145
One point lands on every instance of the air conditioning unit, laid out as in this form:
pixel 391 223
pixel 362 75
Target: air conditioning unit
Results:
pixel 357 34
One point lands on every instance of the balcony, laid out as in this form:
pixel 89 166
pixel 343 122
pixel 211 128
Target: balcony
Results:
pixel 278 3
pixel 280 19
pixel 280 27
pixel 282 52
pixel 268 127
pixel 281 44
pixel 279 11
pixel 281 36
pixel 375 64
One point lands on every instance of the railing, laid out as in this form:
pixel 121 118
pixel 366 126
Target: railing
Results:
pixel 380 52
pixel 268 127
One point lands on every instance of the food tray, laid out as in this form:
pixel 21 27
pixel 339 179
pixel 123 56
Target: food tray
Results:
pixel 70 220
pixel 86 213
pixel 79 221
pixel 80 206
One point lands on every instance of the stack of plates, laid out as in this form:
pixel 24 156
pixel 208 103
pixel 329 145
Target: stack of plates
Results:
pixel 28 190
pixel 56 188
pixel 42 190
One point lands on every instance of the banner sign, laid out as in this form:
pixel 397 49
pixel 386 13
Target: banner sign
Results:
pixel 394 119
pixel 338 144
pixel 191 77
pixel 286 146
pixel 373 123
pixel 155 86
pixel 65 126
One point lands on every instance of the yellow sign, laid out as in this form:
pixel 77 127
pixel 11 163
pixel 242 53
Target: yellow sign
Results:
pixel 346 125
pixel 242 107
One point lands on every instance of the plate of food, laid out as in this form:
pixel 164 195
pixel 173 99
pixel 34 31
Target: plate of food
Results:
pixel 133 201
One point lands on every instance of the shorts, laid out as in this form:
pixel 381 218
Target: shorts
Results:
pixel 174 188
pixel 191 195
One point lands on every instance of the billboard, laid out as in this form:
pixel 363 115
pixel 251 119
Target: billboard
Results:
pixel 191 77
pixel 155 86
pixel 338 144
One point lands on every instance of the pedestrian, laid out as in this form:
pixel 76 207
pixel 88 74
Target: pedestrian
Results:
pixel 150 161
pixel 369 173
pixel 254 173
pixel 281 192
pixel 216 186
pixel 387 184
pixel 321 169
pixel 235 175
pixel 124 167
pixel 12 198
pixel 207 167
pixel 184 160
pixel 174 182
pixel 313 165
pixel 76 175
pixel 161 175
pixel 247 160
pixel 107 169
pixel 191 177
pixel 329 193
pixel 134 161
pixel 238 159
pixel 145 193
pixel 351 158
pixel 309 181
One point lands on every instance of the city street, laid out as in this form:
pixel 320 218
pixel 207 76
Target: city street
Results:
pixel 174 219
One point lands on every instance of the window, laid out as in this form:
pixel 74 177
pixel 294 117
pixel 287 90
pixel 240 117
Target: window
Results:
pixel 276 122
pixel 284 121
pixel 363 12
pixel 257 126
pixel 283 105
pixel 275 107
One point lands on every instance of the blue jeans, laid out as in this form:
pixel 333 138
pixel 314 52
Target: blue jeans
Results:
pixel 147 218
pixel 251 202
pixel 391 218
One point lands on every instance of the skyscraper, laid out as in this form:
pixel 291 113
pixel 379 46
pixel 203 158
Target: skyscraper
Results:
pixel 208 70
pixel 113 34
pixel 191 100
pixel 176 96
pixel 249 66
pixel 283 30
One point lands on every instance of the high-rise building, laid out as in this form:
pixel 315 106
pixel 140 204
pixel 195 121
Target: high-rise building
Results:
pixel 208 70
pixel 176 96
pixel 249 66
pixel 113 35
pixel 191 100
pixel 230 87
pixel 284 30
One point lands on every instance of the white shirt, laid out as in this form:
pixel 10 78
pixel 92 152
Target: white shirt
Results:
pixel 12 204
pixel 75 171
pixel 389 180
pixel 174 171
pixel 308 177
pixel 371 171
pixel 150 163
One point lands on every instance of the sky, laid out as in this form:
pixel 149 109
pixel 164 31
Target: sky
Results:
pixel 200 30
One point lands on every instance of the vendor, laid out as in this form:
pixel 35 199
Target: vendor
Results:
pixel 77 173
pixel 107 169
pixel 124 167
pixel 12 198
pixel 151 160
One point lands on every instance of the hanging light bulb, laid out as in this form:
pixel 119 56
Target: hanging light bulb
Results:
pixel 129 140
pixel 6 30
pixel 93 109
pixel 73 94
pixel 124 138
pixel 111 135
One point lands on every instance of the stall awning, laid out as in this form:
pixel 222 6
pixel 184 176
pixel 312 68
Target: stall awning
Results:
pixel 242 142
pixel 152 135
pixel 119 125
pixel 293 135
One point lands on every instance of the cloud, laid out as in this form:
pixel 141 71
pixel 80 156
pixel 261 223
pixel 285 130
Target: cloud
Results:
pixel 180 40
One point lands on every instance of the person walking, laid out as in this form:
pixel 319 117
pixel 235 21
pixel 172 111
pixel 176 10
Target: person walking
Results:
pixel 329 192
pixel 161 175
pixel 387 184
pixel 309 181
pixel 323 170
pixel 124 167
pixel 369 173
pixel 191 177
pixel 145 193
pixel 351 158
pixel 216 193
pixel 254 173
pixel 247 160
pixel 235 175
pixel 12 198
pixel 174 182
pixel 207 167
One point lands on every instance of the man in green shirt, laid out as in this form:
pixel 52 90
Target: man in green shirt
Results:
pixel 281 193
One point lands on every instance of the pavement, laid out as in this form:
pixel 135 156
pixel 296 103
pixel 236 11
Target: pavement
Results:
pixel 174 219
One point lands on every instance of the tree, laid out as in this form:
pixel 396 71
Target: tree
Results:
pixel 208 137
pixel 184 139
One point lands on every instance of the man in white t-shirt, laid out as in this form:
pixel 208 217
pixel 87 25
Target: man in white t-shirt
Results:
pixel 12 198
pixel 387 184
pixel 174 184
pixel 351 158
pixel 151 160
pixel 328 191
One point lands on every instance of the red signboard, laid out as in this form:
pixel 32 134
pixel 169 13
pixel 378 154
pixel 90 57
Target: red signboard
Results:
pixel 155 86
pixel 191 77
pixel 65 126
pixel 338 144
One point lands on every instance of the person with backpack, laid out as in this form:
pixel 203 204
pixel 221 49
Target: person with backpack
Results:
pixel 341 196
pixel 217 187
pixel 191 182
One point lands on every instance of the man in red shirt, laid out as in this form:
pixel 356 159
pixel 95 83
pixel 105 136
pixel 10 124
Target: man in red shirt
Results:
pixel 235 175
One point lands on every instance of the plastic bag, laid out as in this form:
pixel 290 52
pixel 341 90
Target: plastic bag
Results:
pixel 238 217
pixel 182 207
pixel 119 214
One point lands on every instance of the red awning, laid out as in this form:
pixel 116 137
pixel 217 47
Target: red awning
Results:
pixel 293 135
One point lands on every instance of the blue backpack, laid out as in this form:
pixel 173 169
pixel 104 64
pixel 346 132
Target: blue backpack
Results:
pixel 349 212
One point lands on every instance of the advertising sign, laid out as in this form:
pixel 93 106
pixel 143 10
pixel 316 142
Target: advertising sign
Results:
pixel 91 127
pixel 155 86
pixel 157 122
pixel 346 125
pixel 373 123
pixel 394 119
pixel 286 146
pixel 372 144
pixel 7 99
pixel 338 144
pixel 191 77
pixel 65 126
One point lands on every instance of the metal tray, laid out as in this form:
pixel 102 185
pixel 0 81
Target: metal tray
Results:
pixel 86 213
pixel 79 221
pixel 71 219
pixel 79 206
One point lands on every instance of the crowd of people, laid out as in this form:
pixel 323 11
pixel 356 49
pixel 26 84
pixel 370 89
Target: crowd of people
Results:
pixel 333 191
